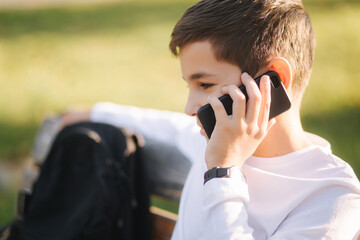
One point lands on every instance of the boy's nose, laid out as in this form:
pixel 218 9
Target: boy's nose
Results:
pixel 190 110
pixel 192 106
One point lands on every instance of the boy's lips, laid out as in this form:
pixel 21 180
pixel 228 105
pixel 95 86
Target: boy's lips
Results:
pixel 202 131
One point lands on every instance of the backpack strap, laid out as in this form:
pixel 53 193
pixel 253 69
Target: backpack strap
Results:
pixel 77 130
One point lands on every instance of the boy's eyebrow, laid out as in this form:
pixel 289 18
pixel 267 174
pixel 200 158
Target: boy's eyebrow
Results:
pixel 199 75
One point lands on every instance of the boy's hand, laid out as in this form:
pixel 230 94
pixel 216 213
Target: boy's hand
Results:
pixel 74 116
pixel 236 137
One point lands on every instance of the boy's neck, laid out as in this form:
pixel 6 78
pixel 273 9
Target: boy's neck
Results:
pixel 285 137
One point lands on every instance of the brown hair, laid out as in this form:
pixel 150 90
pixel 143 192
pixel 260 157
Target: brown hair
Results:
pixel 248 33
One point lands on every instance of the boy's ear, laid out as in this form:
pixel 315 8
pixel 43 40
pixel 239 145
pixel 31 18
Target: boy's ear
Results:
pixel 283 69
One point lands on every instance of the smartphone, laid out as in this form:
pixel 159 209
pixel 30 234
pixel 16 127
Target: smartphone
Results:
pixel 280 102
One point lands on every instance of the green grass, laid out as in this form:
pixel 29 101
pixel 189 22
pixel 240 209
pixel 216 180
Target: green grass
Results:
pixel 166 204
pixel 7 202
pixel 52 58
pixel 336 75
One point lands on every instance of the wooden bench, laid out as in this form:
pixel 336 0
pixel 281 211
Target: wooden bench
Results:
pixel 166 168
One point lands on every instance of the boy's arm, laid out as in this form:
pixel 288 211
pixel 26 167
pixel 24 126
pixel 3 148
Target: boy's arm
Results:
pixel 170 127
pixel 233 140
pixel 330 210
pixel 225 208
pixel 236 138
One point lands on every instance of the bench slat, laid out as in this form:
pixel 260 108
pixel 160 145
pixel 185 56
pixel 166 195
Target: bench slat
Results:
pixel 163 223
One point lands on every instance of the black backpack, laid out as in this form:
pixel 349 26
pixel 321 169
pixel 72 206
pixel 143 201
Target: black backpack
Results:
pixel 92 185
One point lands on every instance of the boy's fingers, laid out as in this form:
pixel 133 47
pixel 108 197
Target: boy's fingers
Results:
pixel 254 101
pixel 219 110
pixel 239 101
pixel 265 101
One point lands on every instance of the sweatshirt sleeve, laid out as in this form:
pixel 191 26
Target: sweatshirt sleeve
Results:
pixel 174 128
pixel 224 212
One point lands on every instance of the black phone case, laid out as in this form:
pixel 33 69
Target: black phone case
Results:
pixel 280 102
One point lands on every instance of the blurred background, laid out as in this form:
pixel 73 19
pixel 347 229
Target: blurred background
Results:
pixel 58 53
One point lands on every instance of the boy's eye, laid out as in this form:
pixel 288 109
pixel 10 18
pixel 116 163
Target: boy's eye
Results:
pixel 206 85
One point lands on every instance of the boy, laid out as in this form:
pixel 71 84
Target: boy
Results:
pixel 281 182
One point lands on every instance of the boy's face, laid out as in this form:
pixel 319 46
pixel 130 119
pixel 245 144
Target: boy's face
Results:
pixel 204 74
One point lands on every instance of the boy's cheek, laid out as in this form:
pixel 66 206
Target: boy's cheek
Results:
pixel 218 91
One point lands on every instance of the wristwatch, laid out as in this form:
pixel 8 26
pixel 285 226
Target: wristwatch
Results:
pixel 217 172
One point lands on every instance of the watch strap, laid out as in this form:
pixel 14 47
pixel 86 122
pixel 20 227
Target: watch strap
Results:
pixel 216 172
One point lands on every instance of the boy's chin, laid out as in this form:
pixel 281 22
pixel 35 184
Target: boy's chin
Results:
pixel 203 133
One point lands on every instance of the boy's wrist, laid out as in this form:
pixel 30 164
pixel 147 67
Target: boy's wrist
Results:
pixel 212 162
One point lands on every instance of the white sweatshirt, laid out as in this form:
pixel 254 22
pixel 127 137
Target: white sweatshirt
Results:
pixel 307 194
